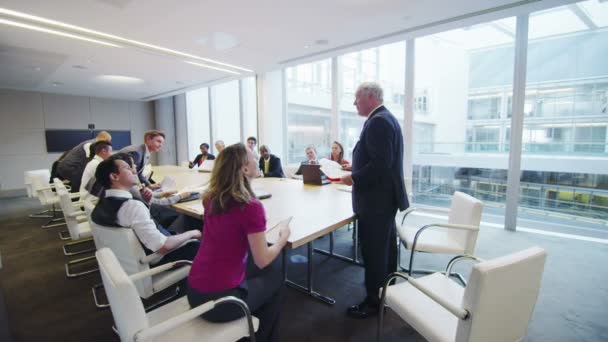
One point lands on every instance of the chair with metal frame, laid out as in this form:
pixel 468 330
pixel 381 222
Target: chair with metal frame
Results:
pixel 133 259
pixel 31 193
pixel 78 228
pixel 46 196
pixel 175 321
pixel 496 305
pixel 457 236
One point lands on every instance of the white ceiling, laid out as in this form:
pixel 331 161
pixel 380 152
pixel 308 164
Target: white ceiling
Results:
pixel 251 34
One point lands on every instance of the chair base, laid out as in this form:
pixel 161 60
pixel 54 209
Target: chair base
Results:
pixel 51 223
pixel 42 214
pixel 78 251
pixel 98 303
pixel 69 272
pixel 64 235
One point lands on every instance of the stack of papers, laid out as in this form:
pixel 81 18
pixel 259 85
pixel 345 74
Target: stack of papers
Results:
pixel 168 184
pixel 331 169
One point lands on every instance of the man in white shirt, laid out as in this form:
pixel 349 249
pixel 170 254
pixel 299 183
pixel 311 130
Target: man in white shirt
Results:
pixel 103 150
pixel 119 208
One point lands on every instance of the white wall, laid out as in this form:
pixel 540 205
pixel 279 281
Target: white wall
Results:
pixel 24 116
pixel 164 116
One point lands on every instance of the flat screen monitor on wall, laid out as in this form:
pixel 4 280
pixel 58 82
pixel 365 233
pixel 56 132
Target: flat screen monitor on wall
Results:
pixel 60 140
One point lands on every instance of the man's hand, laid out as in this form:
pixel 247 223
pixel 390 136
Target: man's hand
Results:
pixel 347 167
pixel 195 234
pixel 167 193
pixel 154 186
pixel 146 194
pixel 185 195
pixel 348 180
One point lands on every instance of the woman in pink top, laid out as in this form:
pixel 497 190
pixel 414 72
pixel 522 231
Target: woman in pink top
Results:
pixel 235 223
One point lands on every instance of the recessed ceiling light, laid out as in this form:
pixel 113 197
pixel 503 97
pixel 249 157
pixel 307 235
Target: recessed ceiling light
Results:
pixel 212 67
pixel 120 79
pixel 306 46
pixel 34 68
pixel 56 84
pixel 81 67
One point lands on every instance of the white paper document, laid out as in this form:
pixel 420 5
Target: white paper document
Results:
pixel 332 169
pixel 168 184
pixel 272 234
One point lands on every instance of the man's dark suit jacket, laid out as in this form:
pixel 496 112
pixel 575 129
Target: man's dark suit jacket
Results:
pixel 140 157
pixel 197 161
pixel 377 171
pixel 274 169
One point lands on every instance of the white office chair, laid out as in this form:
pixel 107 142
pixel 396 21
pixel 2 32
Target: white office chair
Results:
pixel 46 196
pixel 78 228
pixel 458 236
pixel 496 305
pixel 175 321
pixel 31 193
pixel 133 259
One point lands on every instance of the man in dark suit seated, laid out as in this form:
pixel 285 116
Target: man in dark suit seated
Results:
pixel 204 155
pixel 270 164
pixel 378 191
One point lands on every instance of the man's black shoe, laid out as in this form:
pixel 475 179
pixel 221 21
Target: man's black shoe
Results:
pixel 362 310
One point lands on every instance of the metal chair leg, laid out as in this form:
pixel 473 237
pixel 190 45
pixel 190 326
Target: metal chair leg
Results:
pixel 68 271
pixel 98 304
pixel 76 243
pixel 64 235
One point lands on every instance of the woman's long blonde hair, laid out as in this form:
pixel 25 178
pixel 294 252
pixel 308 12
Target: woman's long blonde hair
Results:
pixel 228 184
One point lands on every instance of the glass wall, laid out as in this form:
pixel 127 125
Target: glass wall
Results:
pixel 566 116
pixel 385 65
pixel 232 118
pixel 308 109
pixel 459 114
pixel 197 114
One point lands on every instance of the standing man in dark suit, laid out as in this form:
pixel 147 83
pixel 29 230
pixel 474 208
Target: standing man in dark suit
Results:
pixel 153 142
pixel 270 164
pixel 378 191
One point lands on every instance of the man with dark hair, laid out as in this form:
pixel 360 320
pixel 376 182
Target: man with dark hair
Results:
pixel 73 163
pixel 102 151
pixel 205 155
pixel 153 142
pixel 252 142
pixel 270 164
pixel 119 208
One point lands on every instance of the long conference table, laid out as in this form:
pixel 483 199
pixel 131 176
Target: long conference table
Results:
pixel 315 210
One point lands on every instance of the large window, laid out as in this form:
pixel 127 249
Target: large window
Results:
pixel 308 109
pixel 566 93
pixel 197 111
pixel 458 133
pixel 225 112
pixel 385 65
pixel 250 110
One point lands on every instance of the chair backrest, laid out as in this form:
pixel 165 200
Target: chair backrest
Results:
pixel 67 206
pixel 127 249
pixel 467 210
pixel 500 297
pixel 28 175
pixel 40 184
pixel 127 308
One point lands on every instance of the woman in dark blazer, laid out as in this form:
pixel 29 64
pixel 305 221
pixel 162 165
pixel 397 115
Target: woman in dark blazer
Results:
pixel 205 155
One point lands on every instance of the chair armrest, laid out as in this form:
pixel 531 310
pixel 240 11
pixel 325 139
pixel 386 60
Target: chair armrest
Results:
pixel 156 257
pixel 457 258
pixel 443 225
pixel 74 195
pixel 454 309
pixel 428 210
pixel 156 270
pixel 76 214
pixel 153 332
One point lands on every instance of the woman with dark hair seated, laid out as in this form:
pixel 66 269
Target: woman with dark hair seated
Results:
pixel 235 223
pixel 205 155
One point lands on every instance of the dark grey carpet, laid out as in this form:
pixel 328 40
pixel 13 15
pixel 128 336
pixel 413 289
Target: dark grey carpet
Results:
pixel 42 304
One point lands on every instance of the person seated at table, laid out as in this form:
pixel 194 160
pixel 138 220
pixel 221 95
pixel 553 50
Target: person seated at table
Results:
pixel 235 222
pixel 337 154
pixel 270 164
pixel 311 158
pixel 118 208
pixel 205 155
pixel 219 146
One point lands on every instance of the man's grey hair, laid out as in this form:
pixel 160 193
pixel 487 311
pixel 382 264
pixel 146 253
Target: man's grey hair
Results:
pixel 371 88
